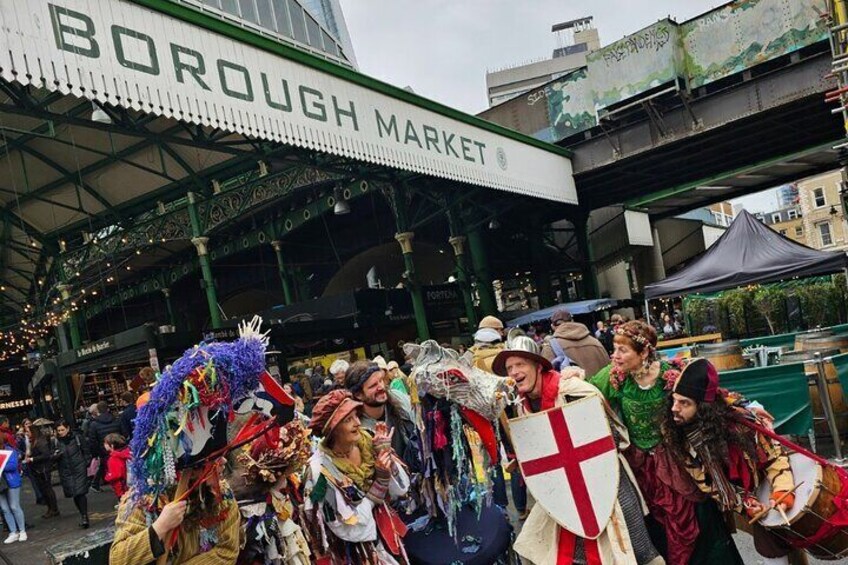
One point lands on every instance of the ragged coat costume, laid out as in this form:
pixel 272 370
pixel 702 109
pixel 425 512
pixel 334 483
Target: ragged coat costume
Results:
pixel 343 516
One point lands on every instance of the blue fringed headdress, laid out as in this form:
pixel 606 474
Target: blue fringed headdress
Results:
pixel 186 418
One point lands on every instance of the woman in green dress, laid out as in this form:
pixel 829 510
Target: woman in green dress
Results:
pixel 637 385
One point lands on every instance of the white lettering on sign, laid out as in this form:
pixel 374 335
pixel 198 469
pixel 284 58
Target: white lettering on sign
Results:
pixel 16 404
pixel 93 348
pixel 127 55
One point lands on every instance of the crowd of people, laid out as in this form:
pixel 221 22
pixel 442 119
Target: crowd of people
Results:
pixel 408 460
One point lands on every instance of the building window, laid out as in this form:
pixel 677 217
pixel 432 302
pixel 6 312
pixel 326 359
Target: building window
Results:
pixel 792 213
pixel 782 232
pixel 775 218
pixel 824 231
pixel 799 231
pixel 818 198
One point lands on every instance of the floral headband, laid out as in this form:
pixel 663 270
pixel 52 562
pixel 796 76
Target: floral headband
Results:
pixel 634 337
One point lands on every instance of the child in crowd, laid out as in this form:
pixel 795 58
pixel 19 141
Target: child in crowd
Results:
pixel 116 466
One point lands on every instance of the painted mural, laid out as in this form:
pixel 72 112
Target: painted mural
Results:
pixel 635 64
pixel 745 33
pixel 570 108
pixel 713 46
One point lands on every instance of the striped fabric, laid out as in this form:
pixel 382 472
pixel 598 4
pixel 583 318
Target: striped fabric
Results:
pixel 132 544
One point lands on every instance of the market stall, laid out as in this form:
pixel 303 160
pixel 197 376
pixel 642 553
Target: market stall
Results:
pixel 102 369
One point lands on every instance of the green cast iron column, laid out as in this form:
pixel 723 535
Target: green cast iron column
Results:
pixel 581 230
pixel 458 244
pixel 73 323
pixel 200 242
pixel 281 268
pixel 541 269
pixel 404 238
pixel 171 318
pixel 480 262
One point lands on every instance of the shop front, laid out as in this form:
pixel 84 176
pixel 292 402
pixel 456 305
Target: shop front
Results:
pixel 103 369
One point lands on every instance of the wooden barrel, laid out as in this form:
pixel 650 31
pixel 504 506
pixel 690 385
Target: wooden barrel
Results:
pixel 801 339
pixel 837 397
pixel 819 343
pixel 726 355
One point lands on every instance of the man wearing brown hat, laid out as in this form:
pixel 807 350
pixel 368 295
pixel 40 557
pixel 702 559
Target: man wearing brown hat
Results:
pixel 576 343
pixel 541 539
pixel 487 342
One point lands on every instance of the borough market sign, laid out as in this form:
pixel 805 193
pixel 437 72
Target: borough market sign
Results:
pixel 129 55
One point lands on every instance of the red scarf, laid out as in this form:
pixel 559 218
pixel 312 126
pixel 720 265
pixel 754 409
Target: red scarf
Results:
pixel 567 541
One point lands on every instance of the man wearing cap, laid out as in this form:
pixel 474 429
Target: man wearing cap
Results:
pixel 726 459
pixel 541 540
pixel 577 342
pixel 487 342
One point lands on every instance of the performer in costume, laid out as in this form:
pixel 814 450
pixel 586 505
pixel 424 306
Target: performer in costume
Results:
pixel 542 541
pixel 637 385
pixel 179 509
pixel 726 460
pixel 450 507
pixel 265 483
pixel 350 479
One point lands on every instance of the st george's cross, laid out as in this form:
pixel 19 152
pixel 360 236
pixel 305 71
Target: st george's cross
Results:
pixel 569 462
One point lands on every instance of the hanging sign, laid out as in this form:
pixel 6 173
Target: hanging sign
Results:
pixel 124 54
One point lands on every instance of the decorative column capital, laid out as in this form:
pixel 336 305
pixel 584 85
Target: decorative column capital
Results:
pixel 200 243
pixel 65 291
pixel 277 245
pixel 458 244
pixel 405 240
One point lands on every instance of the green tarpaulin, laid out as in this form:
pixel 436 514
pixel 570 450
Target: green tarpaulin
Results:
pixel 782 389
pixel 841 364
pixel 779 340
pixel 784 340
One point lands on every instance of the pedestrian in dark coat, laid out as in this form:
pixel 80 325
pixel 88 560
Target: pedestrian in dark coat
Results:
pixel 73 469
pixel 128 415
pixel 104 423
pixel 43 454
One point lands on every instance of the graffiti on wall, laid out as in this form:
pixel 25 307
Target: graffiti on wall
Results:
pixel 570 107
pixel 715 45
pixel 745 33
pixel 635 64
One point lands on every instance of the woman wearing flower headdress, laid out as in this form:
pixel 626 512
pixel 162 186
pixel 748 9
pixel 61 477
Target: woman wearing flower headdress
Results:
pixel 637 385
pixel 350 478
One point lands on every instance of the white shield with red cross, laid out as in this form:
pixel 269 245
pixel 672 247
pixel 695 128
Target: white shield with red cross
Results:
pixel 570 463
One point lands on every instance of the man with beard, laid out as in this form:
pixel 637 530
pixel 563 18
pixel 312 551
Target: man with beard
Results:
pixel 541 540
pixel 367 382
pixel 726 459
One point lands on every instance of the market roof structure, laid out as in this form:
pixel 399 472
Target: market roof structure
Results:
pixel 749 252
pixel 111 111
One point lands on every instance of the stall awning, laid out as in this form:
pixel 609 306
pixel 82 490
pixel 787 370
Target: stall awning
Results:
pixel 168 59
pixel 576 308
pixel 749 252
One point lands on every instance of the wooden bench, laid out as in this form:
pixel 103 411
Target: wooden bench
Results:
pixel 91 549
pixel 682 341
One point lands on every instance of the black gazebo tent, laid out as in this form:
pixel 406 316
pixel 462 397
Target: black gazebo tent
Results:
pixel 749 252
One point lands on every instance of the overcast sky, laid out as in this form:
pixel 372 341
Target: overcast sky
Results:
pixel 442 48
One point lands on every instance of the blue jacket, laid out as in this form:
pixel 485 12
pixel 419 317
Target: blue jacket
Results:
pixel 12 471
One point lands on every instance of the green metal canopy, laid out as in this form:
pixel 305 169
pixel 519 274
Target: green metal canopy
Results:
pixel 112 111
